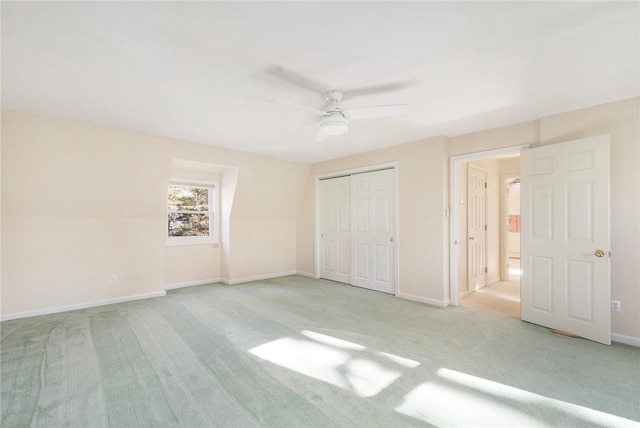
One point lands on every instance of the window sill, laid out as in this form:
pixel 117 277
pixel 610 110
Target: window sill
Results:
pixel 191 241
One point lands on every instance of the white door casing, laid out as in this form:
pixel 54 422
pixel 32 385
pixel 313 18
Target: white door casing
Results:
pixel 476 227
pixel 565 221
pixel 454 208
pixel 373 224
pixel 335 229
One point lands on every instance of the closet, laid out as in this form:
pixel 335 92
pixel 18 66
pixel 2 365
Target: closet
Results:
pixel 357 229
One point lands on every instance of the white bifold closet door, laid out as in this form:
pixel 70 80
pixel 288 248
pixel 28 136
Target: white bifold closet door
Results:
pixel 357 230
pixel 372 203
pixel 335 226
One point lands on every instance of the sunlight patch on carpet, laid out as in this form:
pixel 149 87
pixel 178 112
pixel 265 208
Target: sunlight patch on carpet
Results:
pixel 328 359
pixel 460 399
pixel 400 360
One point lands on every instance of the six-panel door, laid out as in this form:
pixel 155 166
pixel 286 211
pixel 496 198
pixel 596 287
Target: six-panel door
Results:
pixel 565 237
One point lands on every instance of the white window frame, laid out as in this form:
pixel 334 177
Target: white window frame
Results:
pixel 214 209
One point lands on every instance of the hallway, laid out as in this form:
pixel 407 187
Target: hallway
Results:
pixel 501 297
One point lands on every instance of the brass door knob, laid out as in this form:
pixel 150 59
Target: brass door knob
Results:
pixel 471 238
pixel 599 253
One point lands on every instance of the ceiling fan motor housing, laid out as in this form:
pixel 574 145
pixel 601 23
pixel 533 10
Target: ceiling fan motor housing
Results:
pixel 334 124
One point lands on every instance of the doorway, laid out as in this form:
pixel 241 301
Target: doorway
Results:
pixel 565 235
pixel 492 212
pixel 511 238
pixel 498 289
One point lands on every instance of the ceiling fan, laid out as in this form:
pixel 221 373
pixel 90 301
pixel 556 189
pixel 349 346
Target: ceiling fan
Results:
pixel 334 120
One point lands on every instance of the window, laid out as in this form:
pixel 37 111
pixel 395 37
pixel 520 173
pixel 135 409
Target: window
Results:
pixel 191 213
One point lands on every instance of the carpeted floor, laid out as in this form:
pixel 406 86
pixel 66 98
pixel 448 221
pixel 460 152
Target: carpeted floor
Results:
pixel 501 297
pixel 299 352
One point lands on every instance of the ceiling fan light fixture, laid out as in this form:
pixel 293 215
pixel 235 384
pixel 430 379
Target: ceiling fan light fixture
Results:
pixel 334 125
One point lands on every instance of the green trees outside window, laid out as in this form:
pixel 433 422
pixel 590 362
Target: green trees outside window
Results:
pixel 190 211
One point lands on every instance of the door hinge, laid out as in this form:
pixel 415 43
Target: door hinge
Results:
pixel 485 184
pixel 485 227
pixel 485 269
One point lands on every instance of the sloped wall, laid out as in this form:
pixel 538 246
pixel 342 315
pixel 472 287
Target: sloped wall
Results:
pixel 81 203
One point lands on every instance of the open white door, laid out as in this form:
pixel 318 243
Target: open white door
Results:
pixel 476 227
pixel 335 229
pixel 565 237
pixel 373 213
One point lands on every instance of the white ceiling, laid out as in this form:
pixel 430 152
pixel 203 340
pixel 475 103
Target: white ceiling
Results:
pixel 197 71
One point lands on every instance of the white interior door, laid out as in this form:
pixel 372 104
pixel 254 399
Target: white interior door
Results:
pixel 565 237
pixel 476 227
pixel 373 214
pixel 335 225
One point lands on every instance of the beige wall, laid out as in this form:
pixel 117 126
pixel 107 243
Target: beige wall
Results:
pixel 497 138
pixel 422 169
pixel 81 203
pixel 263 235
pixel 622 121
pixel 509 166
pixel 192 264
pixel 423 197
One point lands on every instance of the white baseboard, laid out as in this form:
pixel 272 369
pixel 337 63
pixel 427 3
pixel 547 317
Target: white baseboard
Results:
pixel 627 340
pixel 433 302
pixel 257 278
pixel 307 274
pixel 85 305
pixel 192 283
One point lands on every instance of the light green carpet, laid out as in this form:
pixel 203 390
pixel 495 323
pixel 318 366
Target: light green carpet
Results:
pixel 298 352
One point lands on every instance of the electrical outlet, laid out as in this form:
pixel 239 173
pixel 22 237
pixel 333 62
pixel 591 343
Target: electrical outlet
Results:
pixel 616 306
pixel 113 280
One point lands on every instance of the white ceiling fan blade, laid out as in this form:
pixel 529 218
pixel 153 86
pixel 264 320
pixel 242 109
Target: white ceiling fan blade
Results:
pixel 296 79
pixel 380 88
pixel 321 136
pixel 311 109
pixel 377 111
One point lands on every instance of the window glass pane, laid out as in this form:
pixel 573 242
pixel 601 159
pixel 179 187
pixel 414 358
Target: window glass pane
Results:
pixel 183 224
pixel 188 198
